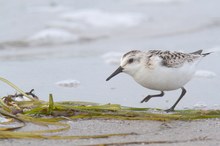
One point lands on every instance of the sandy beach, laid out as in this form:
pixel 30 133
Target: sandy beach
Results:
pixel 52 45
pixel 190 133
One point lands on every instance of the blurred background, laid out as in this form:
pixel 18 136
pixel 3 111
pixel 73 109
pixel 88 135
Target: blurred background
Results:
pixel 68 48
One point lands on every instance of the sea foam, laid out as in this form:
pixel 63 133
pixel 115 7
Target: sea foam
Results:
pixel 204 74
pixel 112 58
pixel 70 83
pixel 52 36
pixel 85 24
pixel 100 18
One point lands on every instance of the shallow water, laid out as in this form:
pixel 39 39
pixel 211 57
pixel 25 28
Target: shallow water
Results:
pixel 40 46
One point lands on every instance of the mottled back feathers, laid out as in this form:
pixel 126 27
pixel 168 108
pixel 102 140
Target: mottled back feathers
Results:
pixel 174 59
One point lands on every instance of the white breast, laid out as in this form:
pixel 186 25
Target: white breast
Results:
pixel 165 78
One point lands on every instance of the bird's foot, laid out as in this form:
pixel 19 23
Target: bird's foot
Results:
pixel 146 99
pixel 169 110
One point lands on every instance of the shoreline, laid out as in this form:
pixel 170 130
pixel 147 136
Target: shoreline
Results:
pixel 197 132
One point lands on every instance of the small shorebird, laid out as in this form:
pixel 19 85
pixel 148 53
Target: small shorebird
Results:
pixel 160 70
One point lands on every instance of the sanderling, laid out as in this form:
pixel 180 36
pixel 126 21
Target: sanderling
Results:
pixel 160 70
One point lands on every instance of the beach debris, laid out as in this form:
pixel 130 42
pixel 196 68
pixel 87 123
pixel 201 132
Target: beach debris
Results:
pixel 4 120
pixel 19 96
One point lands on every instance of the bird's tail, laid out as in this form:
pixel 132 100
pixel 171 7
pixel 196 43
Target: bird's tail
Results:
pixel 205 54
pixel 199 52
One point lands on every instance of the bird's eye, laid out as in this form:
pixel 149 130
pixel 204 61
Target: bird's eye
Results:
pixel 130 60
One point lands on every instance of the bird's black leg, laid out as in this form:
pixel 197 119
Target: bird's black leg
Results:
pixel 150 96
pixel 172 107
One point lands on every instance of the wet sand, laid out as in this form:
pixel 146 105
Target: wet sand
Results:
pixel 182 133
pixel 186 25
pixel 38 63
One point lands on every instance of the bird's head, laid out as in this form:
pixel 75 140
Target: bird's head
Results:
pixel 130 63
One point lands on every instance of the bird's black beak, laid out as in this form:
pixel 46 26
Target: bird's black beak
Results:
pixel 119 70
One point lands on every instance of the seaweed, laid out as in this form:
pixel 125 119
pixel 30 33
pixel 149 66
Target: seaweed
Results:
pixel 56 114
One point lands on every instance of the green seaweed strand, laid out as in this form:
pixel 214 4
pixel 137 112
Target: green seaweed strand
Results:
pixel 16 88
